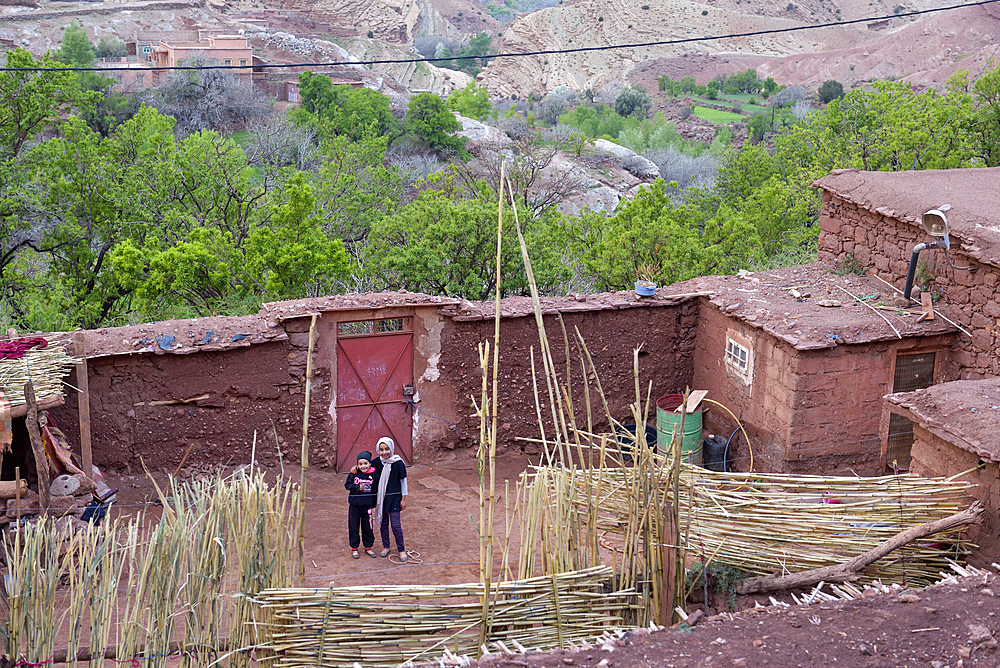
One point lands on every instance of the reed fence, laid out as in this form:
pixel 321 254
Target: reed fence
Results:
pixel 389 625
pixel 126 590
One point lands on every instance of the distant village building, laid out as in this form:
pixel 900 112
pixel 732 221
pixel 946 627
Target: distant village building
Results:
pixel 168 48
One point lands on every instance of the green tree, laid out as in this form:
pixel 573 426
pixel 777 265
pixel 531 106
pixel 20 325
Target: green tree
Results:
pixel 830 91
pixel 471 101
pixel 342 109
pixel 76 49
pixel 444 243
pixel 430 120
pixel 679 240
pixel 984 125
pixel 633 101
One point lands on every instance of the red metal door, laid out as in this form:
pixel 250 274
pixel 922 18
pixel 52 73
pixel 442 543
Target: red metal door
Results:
pixel 374 363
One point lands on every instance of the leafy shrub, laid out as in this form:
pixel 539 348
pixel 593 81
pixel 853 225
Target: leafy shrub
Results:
pixel 830 91
pixel 633 102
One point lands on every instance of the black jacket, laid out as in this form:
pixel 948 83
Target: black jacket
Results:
pixel 363 487
pixel 394 488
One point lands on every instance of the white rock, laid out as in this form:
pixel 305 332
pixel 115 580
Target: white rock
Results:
pixel 64 485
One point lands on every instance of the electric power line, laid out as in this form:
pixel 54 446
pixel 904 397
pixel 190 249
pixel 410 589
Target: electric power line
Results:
pixel 583 49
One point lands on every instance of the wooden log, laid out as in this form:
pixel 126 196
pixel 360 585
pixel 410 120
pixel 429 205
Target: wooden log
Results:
pixel 83 399
pixel 849 570
pixel 45 403
pixel 305 452
pixel 17 493
pixel 41 458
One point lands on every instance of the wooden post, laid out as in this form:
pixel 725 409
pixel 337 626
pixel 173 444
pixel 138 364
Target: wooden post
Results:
pixel 305 453
pixel 41 459
pixel 83 397
pixel 17 494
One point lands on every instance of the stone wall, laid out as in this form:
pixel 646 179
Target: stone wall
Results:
pixel 971 298
pixel 932 456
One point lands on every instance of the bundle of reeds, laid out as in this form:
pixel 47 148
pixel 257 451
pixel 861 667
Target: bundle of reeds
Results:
pixel 181 586
pixel 386 626
pixel 45 368
pixel 765 523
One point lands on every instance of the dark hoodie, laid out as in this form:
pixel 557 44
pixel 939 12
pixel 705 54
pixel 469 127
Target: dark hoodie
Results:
pixel 363 487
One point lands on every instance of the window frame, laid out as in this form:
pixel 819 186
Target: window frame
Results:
pixel 738 358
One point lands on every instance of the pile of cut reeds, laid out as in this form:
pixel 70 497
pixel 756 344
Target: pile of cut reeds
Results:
pixel 771 523
pixel 388 625
pixel 179 587
pixel 45 368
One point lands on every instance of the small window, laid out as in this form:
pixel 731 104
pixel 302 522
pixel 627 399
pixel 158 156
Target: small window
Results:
pixel 738 359
pixel 227 61
pixel 243 62
pixel 373 327
pixel 147 49
pixel 140 79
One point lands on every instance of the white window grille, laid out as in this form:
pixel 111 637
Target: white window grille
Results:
pixel 739 359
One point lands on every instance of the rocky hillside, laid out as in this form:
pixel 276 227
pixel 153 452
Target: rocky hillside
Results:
pixel 925 48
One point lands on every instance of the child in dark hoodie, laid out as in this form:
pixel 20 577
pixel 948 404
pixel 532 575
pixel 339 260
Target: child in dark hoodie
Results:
pixel 362 482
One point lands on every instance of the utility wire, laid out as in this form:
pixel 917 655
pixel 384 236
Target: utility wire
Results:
pixel 522 54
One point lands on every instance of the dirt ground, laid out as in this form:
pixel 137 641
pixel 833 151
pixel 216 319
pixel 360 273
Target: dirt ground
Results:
pixel 953 625
pixel 949 625
pixel 440 522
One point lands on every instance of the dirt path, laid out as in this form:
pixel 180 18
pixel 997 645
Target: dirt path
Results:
pixel 953 625
pixel 440 523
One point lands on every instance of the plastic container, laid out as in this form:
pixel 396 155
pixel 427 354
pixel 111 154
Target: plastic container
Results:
pixel 668 421
pixel 714 451
pixel 645 288
pixel 625 435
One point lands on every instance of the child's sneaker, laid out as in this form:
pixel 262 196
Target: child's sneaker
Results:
pixel 354 554
pixel 371 553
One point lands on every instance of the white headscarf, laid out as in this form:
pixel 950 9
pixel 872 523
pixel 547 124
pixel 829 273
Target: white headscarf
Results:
pixel 383 479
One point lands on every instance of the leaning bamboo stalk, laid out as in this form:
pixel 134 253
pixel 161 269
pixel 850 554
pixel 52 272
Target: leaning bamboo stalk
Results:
pixel 305 449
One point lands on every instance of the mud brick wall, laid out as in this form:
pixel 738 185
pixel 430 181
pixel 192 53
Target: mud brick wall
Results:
pixel 971 298
pixel 666 334
pixel 813 411
pixel 764 406
pixel 932 456
pixel 258 388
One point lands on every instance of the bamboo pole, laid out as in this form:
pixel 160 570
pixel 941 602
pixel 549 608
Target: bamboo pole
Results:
pixel 83 399
pixel 305 451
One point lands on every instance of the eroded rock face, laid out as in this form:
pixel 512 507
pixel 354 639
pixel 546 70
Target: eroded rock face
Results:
pixel 477 131
pixel 631 161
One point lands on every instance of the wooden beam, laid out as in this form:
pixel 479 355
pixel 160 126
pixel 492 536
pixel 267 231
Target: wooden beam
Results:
pixel 44 404
pixel 41 459
pixel 83 397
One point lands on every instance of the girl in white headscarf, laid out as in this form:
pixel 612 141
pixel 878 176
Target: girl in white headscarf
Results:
pixel 392 493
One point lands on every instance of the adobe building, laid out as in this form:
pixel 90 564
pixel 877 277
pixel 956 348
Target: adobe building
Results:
pixel 955 432
pixel 950 427
pixel 400 363
pixel 803 356
pixel 875 219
